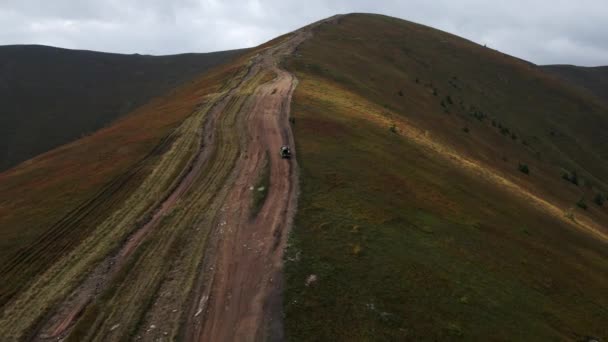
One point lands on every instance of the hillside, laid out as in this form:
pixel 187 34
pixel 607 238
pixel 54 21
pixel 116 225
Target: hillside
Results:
pixel 594 79
pixel 437 190
pixel 415 221
pixel 126 224
pixel 51 96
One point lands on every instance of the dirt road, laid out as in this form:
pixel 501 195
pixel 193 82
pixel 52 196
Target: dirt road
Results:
pixel 241 297
pixel 59 322
pixel 235 293
pixel 241 300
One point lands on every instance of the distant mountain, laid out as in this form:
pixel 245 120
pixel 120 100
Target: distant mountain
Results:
pixel 50 96
pixel 594 79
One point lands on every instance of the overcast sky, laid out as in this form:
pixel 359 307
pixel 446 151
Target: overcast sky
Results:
pixel 541 31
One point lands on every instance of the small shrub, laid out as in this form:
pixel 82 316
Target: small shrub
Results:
pixel 524 168
pixel 449 99
pixel 465 129
pixel 571 177
pixel 569 214
pixel 599 199
pixel 494 123
pixel 417 80
pixel 513 136
pixel 574 178
pixel 453 84
pixel 479 115
pixel 581 204
pixel 587 183
pixel 393 128
pixel 400 92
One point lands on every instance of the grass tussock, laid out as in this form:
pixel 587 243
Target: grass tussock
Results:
pixel 261 188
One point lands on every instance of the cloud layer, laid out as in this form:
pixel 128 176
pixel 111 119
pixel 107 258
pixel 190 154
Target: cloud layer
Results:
pixel 541 31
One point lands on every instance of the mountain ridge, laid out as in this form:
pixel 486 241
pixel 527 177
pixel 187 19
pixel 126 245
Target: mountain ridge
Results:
pixel 446 191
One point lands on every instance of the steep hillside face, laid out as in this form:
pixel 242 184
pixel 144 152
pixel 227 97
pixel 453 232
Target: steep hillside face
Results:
pixel 52 96
pixel 447 191
pixel 593 79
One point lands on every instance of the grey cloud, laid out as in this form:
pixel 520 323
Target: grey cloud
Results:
pixel 541 31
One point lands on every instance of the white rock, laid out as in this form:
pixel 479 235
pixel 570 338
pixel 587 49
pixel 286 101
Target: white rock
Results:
pixel 311 279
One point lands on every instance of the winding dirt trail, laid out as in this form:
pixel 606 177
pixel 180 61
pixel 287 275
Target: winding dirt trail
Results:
pixel 238 292
pixel 248 253
pixel 241 297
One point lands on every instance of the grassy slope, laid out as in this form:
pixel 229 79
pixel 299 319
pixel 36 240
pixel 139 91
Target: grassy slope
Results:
pixel 52 96
pixel 408 242
pixel 594 79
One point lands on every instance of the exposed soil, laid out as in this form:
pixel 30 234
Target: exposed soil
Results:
pixel 59 322
pixel 241 296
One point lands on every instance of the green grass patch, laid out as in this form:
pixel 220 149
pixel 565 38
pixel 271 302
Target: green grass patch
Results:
pixel 260 190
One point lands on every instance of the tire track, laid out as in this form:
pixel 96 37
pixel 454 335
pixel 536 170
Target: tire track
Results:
pixel 210 196
pixel 241 296
pixel 58 324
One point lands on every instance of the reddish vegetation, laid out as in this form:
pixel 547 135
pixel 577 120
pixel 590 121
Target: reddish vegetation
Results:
pixel 62 184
